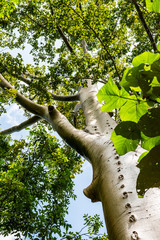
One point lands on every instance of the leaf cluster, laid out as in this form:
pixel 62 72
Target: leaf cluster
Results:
pixel 36 183
pixel 110 29
pixel 138 102
pixel 90 230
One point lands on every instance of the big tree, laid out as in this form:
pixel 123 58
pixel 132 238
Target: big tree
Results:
pixel 98 39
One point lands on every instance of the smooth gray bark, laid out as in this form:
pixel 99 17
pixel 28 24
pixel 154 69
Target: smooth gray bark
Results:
pixel 114 181
pixel 114 177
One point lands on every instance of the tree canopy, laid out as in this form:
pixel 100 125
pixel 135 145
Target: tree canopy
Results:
pixel 115 43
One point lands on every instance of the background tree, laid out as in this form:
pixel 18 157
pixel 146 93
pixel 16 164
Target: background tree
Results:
pixel 99 39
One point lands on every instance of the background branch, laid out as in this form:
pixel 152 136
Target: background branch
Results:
pixel 65 39
pixel 66 98
pixel 21 126
pixel 100 40
pixel 55 97
pixel 22 100
pixel 61 32
pixel 140 14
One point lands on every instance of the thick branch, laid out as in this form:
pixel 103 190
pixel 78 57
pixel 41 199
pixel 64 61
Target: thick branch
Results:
pixel 76 138
pixel 21 126
pixel 23 101
pixel 140 14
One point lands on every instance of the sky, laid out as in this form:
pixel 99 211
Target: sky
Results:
pixel 81 205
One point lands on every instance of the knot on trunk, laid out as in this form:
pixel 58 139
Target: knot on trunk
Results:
pixel 50 108
pixel 92 190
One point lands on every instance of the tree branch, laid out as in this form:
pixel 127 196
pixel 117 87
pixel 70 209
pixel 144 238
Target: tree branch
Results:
pixel 21 126
pixel 65 39
pixel 66 98
pixel 140 14
pixel 24 79
pixel 84 45
pixel 74 137
pixel 61 32
pixel 55 97
pixel 23 101
pixel 100 40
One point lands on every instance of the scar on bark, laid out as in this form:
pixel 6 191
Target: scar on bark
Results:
pixel 92 190
pixel 50 109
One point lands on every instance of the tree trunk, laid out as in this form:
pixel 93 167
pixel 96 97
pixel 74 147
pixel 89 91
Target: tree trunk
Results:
pixel 114 179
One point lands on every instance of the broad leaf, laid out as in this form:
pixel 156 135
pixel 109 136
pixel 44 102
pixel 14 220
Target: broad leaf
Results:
pixel 146 57
pixel 149 171
pixel 153 5
pixel 131 76
pixel 149 123
pixel 149 142
pixel 113 97
pixel 143 155
pixel 149 82
pixel 133 110
pixel 125 137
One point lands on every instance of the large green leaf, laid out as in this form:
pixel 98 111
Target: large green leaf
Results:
pixel 131 76
pixel 113 97
pixel 125 137
pixel 142 155
pixel 146 57
pixel 149 142
pixel 149 123
pixel 153 5
pixel 149 171
pixel 133 110
pixel 149 80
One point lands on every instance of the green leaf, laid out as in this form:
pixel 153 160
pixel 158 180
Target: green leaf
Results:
pixel 142 156
pixel 158 46
pixel 149 142
pixel 146 57
pixel 131 76
pixel 149 123
pixel 125 137
pixel 113 97
pixel 149 5
pixel 133 110
pixel 153 5
pixel 124 83
pixel 149 171
pixel 149 83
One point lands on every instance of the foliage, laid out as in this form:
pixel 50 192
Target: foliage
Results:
pixel 36 184
pixel 137 99
pixel 35 24
pixel 53 30
pixel 91 226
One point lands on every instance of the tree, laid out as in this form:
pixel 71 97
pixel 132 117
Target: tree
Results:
pixel 98 38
